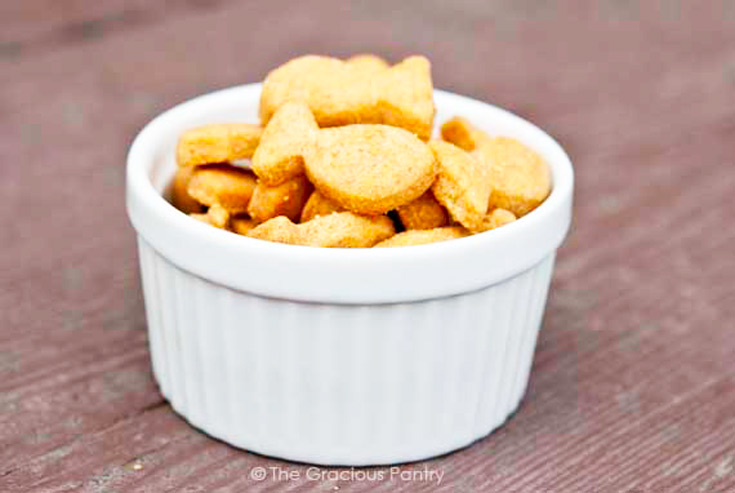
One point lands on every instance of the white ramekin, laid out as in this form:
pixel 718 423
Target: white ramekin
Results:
pixel 341 356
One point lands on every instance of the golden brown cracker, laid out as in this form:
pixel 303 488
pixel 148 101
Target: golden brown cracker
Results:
pixel 229 186
pixel 279 229
pixel 423 236
pixel 218 216
pixel 217 143
pixel 520 178
pixel 288 135
pixel 460 132
pixel 286 199
pixel 423 213
pixel 406 97
pixel 461 184
pixel 215 216
pixel 242 224
pixel 318 205
pixel 370 169
pixel 342 93
pixel 497 218
pixel 336 230
pixel 180 197
pixel 346 230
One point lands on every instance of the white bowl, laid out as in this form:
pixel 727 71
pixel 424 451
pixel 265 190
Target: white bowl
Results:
pixel 341 356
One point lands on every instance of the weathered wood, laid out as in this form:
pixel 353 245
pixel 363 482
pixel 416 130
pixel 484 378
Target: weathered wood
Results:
pixel 633 385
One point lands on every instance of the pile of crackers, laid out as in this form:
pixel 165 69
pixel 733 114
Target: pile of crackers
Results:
pixel 343 157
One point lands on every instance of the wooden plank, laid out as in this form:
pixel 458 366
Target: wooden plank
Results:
pixel 678 423
pixel 633 384
pixel 40 25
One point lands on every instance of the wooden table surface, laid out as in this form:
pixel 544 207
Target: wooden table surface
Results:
pixel 633 385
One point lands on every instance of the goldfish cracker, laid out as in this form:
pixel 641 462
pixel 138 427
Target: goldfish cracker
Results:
pixel 461 185
pixel 343 92
pixel 370 169
pixel 423 213
pixel 423 236
pixel 180 197
pixel 460 132
pixel 215 216
pixel 344 149
pixel 497 218
pixel 406 97
pixel 217 143
pixel 228 186
pixel 520 178
pixel 346 230
pixel 218 216
pixel 336 230
pixel 242 224
pixel 288 135
pixel 286 199
pixel 318 205
pixel 279 229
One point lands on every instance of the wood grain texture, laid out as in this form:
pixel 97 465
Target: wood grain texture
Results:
pixel 633 385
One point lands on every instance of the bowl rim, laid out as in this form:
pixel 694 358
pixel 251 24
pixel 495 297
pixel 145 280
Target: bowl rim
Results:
pixel 363 275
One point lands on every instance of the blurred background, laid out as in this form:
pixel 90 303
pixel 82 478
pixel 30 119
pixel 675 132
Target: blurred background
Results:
pixel 641 94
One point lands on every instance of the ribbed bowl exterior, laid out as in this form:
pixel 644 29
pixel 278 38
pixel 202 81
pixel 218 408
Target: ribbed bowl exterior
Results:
pixel 342 384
